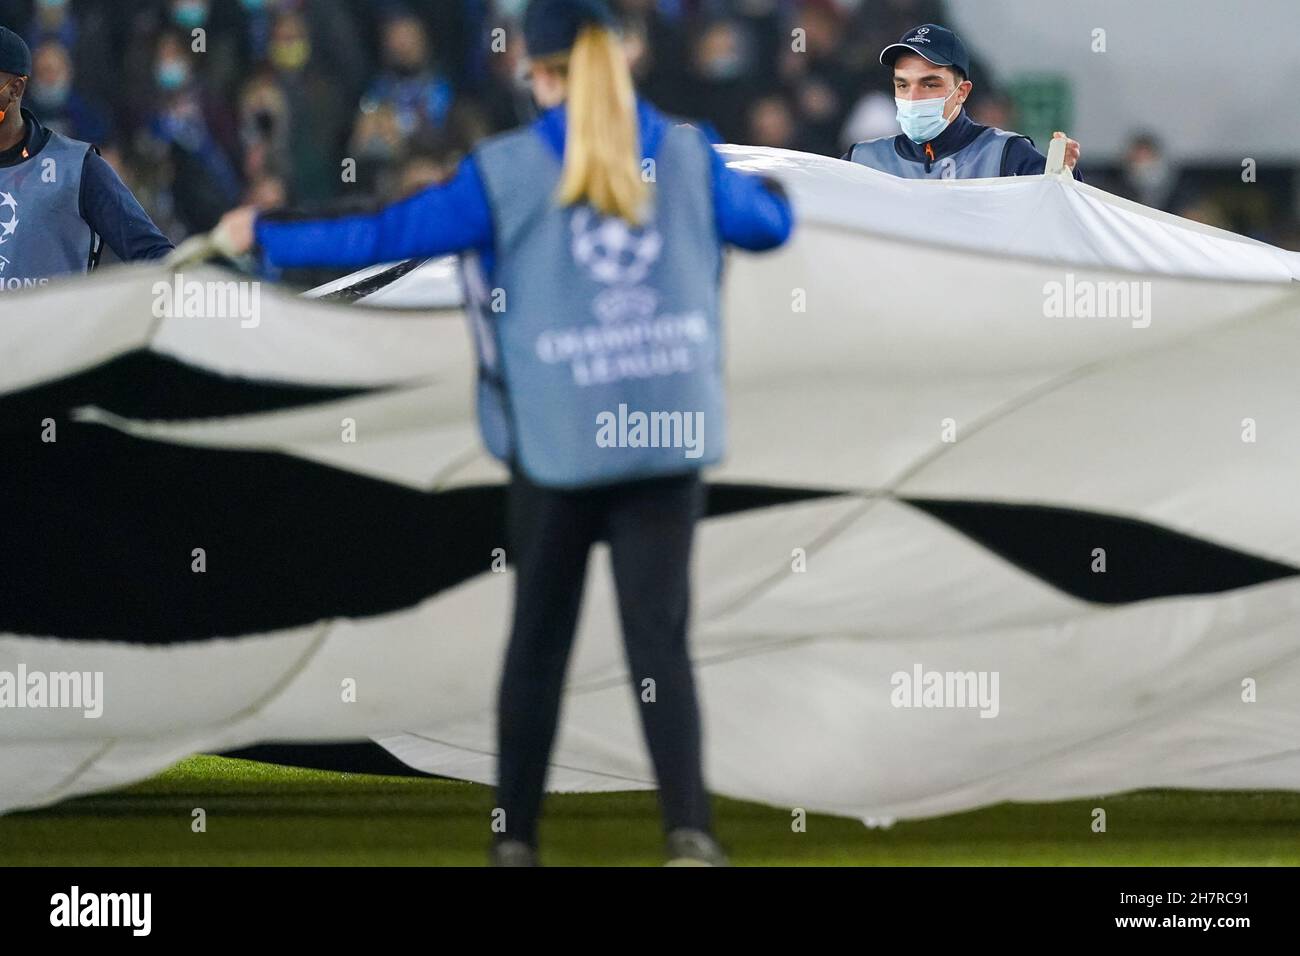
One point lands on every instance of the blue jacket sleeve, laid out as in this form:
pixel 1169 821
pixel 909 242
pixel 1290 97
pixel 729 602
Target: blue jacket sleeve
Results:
pixel 448 218
pixel 750 212
pixel 116 216
pixel 1023 159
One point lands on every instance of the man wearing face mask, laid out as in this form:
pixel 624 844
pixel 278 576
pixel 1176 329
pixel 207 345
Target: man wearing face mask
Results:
pixel 939 141
pixel 58 197
pixel 1148 176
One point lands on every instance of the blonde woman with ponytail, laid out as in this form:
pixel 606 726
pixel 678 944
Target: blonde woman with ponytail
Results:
pixel 591 244
pixel 602 151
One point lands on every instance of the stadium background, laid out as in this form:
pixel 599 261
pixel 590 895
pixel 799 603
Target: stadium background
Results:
pixel 287 89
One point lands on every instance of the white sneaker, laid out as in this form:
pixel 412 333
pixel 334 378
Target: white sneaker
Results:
pixel 512 853
pixel 694 848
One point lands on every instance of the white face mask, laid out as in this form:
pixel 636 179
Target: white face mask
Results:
pixel 923 120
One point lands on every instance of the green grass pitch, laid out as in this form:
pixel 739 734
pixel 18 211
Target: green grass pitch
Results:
pixel 263 814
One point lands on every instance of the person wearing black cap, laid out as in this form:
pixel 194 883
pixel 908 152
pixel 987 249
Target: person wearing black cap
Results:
pixel 59 199
pixel 931 84
pixel 592 244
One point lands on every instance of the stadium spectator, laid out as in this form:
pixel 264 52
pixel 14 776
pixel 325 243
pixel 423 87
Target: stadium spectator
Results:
pixel 54 97
pixel 662 63
pixel 319 117
pixel 721 65
pixel 772 123
pixel 1149 177
pixel 264 127
pixel 410 91
pixel 194 128
pixel 84 30
pixel 821 77
pixel 53 20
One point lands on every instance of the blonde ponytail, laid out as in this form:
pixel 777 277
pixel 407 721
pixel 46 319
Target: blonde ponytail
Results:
pixel 602 150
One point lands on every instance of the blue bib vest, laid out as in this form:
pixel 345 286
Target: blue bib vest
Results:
pixel 981 158
pixel 42 234
pixel 599 343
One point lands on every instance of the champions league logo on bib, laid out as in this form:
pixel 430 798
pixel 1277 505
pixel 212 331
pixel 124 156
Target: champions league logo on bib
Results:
pixel 633 340
pixel 9 226
pixel 620 256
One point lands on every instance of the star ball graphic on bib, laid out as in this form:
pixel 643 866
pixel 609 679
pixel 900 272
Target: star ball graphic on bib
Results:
pixel 612 251
pixel 619 256
pixel 8 226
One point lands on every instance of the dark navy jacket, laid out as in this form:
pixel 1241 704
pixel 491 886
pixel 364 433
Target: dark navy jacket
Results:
pixel 105 203
pixel 1020 159
pixel 455 216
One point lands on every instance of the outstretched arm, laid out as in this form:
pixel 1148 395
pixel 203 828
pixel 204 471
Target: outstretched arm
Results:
pixel 438 220
pixel 751 212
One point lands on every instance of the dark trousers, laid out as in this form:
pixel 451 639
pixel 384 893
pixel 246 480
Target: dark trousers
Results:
pixel 649 526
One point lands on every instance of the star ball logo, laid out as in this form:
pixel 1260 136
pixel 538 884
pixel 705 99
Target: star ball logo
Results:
pixel 8 226
pixel 611 251
pixel 620 258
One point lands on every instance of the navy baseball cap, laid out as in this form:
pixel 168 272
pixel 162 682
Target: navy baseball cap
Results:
pixel 937 44
pixel 551 26
pixel 14 56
